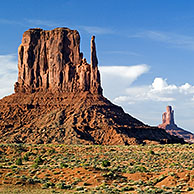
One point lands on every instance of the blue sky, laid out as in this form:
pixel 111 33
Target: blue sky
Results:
pixel 145 49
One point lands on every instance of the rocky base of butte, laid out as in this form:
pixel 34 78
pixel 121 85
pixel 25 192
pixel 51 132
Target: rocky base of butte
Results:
pixel 58 98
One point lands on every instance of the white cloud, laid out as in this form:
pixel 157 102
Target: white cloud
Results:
pixel 10 22
pixel 186 89
pixel 159 84
pixel 173 39
pixel 115 79
pixel 39 22
pixel 8 74
pixel 121 52
pixel 96 30
pixel 32 22
pixel 130 72
pixel 160 91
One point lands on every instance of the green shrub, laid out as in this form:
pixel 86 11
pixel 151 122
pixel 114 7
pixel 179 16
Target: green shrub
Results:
pixel 67 186
pixel 48 185
pixel 140 168
pixel 105 163
pixel 152 152
pixel 26 156
pixel 60 185
pixel 35 165
pixel 189 189
pixel 86 184
pixel 38 160
pixel 52 151
pixel 63 165
pixel 13 166
pixel 127 188
pixel 19 161
pixel 63 186
pixel 80 188
pixel 31 181
pixel 9 174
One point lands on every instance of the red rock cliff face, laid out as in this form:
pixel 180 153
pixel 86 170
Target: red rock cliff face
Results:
pixel 51 61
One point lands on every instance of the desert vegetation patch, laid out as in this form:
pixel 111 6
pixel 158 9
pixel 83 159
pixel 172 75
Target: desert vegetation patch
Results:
pixel 96 169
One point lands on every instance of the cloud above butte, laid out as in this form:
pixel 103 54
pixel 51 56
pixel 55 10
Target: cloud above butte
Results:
pixel 8 74
pixel 116 79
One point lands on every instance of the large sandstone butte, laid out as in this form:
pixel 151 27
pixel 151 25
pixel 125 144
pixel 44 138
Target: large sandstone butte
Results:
pixel 51 61
pixel 169 125
pixel 58 98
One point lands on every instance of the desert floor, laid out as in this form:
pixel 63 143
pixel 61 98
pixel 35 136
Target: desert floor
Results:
pixel 52 168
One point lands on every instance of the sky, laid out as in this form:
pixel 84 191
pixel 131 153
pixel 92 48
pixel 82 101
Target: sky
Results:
pixel 145 49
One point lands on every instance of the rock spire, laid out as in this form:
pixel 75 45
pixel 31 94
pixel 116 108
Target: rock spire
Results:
pixel 52 61
pixel 94 60
pixel 168 116
pixel 169 125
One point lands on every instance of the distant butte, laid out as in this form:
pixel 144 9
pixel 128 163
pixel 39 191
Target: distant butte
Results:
pixel 58 98
pixel 169 125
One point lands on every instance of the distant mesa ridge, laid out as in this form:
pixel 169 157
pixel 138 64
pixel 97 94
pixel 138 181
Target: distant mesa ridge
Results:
pixel 52 61
pixel 58 98
pixel 169 125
